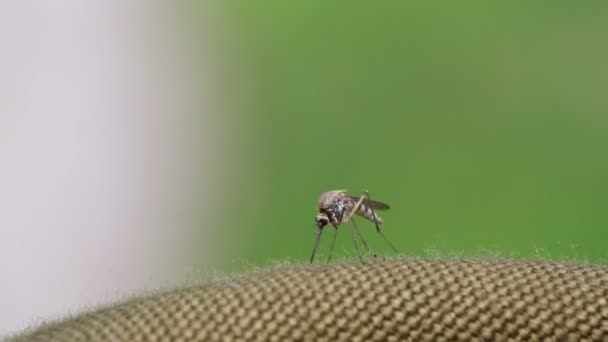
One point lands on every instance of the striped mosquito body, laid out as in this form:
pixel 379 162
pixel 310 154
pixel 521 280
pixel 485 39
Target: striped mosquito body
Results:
pixel 335 204
pixel 337 207
pixel 367 212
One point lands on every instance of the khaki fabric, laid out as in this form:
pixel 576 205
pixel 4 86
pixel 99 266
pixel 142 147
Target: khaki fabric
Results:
pixel 402 299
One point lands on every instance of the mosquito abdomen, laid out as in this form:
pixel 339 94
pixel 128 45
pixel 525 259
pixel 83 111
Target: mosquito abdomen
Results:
pixel 367 212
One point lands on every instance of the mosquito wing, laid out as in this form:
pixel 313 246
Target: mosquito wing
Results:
pixel 372 204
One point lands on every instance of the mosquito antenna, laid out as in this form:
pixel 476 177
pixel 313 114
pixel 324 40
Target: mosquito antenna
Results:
pixel 333 241
pixel 312 257
pixel 378 224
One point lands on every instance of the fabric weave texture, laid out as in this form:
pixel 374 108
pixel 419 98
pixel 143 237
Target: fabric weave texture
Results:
pixel 397 299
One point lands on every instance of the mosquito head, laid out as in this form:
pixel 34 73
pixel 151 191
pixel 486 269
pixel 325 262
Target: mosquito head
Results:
pixel 321 220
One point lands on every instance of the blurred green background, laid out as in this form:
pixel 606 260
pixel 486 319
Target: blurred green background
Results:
pixel 483 124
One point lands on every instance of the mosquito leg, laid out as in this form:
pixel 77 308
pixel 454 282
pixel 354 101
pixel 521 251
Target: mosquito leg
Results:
pixel 361 237
pixel 312 257
pixel 353 210
pixel 366 194
pixel 357 245
pixel 389 243
pixel 333 242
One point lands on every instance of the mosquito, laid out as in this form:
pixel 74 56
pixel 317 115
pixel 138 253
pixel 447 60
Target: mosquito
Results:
pixel 337 207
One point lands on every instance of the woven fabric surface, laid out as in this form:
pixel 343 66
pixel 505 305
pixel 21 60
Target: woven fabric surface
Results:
pixel 403 299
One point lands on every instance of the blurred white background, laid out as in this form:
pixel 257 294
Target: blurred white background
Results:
pixel 105 154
